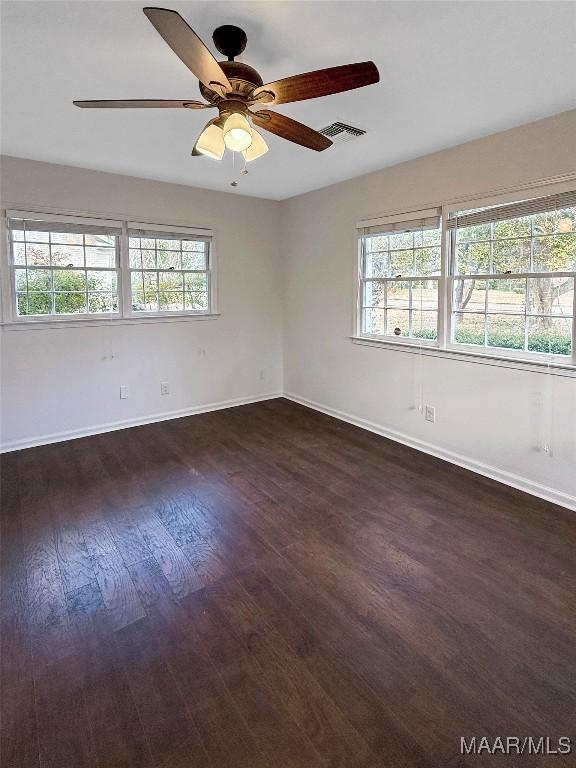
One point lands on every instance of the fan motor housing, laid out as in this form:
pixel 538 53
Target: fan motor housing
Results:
pixel 243 79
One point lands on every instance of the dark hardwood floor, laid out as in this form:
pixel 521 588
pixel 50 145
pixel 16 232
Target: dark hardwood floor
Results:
pixel 267 587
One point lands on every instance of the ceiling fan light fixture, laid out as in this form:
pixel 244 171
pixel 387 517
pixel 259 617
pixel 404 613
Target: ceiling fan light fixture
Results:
pixel 237 132
pixel 211 142
pixel 257 148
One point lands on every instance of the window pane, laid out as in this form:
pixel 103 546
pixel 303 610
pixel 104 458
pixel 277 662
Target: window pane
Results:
pixel 197 301
pixel 70 303
pixel 101 240
pixel 17 235
pixel 66 238
pixel 424 324
pixel 520 227
pixel 38 280
pixel 164 244
pixel 200 246
pixel 400 240
pixel 171 301
pixel 377 243
pixel 424 294
pixel 102 302
pixel 377 265
pixel 469 328
pixel 102 281
pixel 473 258
pixel 561 220
pixel 398 295
pixel 37 254
pixel 19 253
pixel 144 292
pixel 195 282
pixel 373 321
pixel 20 278
pixel 427 261
pixel 506 331
pixel 374 294
pixel 37 237
pixel 167 259
pixel 473 234
pixel 402 263
pixel 551 295
pixel 170 281
pixel 469 295
pixel 36 304
pixel 67 256
pixel 510 256
pixel 426 237
pixel 144 259
pixel 69 280
pixel 550 335
pixel 100 257
pixel 555 254
pixel 507 296
pixel 193 260
pixel 398 323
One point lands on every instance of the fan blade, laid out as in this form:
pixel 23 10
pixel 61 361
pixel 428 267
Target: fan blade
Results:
pixel 290 129
pixel 188 47
pixel 139 103
pixel 323 82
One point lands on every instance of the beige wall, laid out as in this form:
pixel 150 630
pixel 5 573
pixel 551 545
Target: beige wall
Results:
pixel 67 379
pixel 494 419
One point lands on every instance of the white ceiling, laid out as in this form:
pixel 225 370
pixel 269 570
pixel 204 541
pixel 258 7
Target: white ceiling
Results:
pixel 450 72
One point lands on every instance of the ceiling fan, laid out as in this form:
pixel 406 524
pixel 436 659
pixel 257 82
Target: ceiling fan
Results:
pixel 238 91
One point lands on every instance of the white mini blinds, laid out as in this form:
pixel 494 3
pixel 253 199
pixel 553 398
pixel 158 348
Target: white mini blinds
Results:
pixel 73 267
pixel 63 266
pixel 400 266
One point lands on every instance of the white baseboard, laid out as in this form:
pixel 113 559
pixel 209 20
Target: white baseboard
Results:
pixel 508 478
pixel 59 437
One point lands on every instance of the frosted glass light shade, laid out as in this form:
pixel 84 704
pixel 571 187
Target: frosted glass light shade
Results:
pixel 257 148
pixel 211 142
pixel 237 132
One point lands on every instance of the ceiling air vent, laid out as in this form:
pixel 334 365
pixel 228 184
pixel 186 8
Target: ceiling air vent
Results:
pixel 340 132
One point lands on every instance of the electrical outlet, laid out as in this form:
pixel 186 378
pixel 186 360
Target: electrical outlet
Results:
pixel 164 388
pixel 123 391
pixel 430 413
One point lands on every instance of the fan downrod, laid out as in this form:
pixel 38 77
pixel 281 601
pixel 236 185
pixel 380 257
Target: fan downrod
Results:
pixel 229 40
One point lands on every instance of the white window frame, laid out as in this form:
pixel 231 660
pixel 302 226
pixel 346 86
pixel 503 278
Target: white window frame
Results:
pixel 444 347
pixel 174 231
pixel 387 224
pixel 8 308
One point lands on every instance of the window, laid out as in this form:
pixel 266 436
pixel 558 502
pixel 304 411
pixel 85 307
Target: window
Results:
pixel 502 282
pixel 514 270
pixel 399 277
pixel 66 268
pixel 168 272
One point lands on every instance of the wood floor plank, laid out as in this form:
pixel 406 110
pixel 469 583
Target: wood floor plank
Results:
pixel 284 670
pixel 221 727
pixel 162 709
pixel 277 734
pixel 18 732
pixel 64 729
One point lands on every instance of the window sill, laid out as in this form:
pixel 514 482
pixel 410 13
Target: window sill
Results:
pixel 40 325
pixel 536 366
